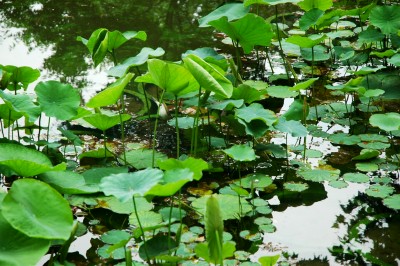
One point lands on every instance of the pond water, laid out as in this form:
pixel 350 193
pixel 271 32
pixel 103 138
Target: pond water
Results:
pixel 42 34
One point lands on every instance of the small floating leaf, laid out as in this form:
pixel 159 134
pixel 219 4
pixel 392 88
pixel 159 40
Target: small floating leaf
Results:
pixel 338 184
pixel 242 153
pixel 255 181
pixel 388 122
pixel 104 122
pixel 367 167
pixel 379 191
pixel 366 154
pixel 143 158
pixel 356 177
pixel 295 187
pixel 319 175
pixel 392 202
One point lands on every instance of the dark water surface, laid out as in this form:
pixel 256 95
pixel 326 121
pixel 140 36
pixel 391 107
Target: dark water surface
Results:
pixel 42 34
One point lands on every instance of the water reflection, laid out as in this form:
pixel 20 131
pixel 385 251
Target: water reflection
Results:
pixel 46 31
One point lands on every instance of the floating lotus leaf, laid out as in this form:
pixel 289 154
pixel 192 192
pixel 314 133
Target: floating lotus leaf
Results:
pixel 255 181
pixel 268 260
pixel 111 94
pixel 157 246
pixel 387 18
pixel 295 187
pixel 174 214
pixel 379 191
pixel 24 161
pixel 367 167
pixel 256 111
pixel 104 122
pixel 147 219
pixel 17 248
pixel 248 31
pixel 376 145
pixel 143 158
pixel 392 202
pixel 356 177
pixel 388 122
pixel 320 53
pixel 344 139
pixel 242 153
pixel 99 153
pixel 126 185
pixel 319 175
pixel 114 236
pixel 338 184
pixel 366 154
pixel 282 92
pixel 233 212
pixel 48 216
pixel 231 10
pixel 263 209
pixel 57 99
pixel 370 35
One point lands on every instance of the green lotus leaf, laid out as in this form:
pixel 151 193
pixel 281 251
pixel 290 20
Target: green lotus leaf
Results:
pixel 392 202
pixel 379 191
pixel 356 177
pixel 247 93
pixel 174 214
pixel 48 216
pixel 387 18
pixel 306 42
pixel 366 154
pixel 141 58
pixel 319 175
pixel 21 103
pixel 320 53
pixel 367 167
pixel 320 4
pixel 18 77
pixel 116 38
pixel 196 166
pixel 171 77
pixel 282 92
pixel 184 122
pixel 387 122
pixel 254 181
pixel 292 127
pixel 338 184
pixel 344 139
pixel 242 153
pixel 94 175
pixel 8 115
pixel 296 111
pixel 233 212
pixel 226 104
pixel 148 219
pixel 126 185
pixel 310 18
pixel 104 122
pixel 172 181
pixel 295 186
pixel 256 111
pixel 373 93
pixel 268 260
pixel 99 153
pixel 395 60
pixel 115 236
pixel 231 10
pixel 208 76
pixel 17 248
pixel 67 182
pixel 57 99
pixel 24 161
pixel 143 158
pixel 111 94
pixel 157 246
pixel 370 35
pixel 248 31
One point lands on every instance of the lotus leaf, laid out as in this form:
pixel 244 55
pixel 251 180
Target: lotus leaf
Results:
pixel 356 177
pixel 143 158
pixel 295 187
pixel 320 4
pixel 57 99
pixel 111 94
pixel 292 127
pixel 248 31
pixel 114 236
pixel 104 122
pixel 24 161
pixel 242 153
pixel 256 111
pixel 268 260
pixel 202 250
pixel 67 182
pixel 387 122
pixel 255 181
pixel 126 185
pixel 338 184
pixel 387 18
pixel 48 216
pixel 319 175
pixel 17 248
pixel 18 77
pixel 269 2
pixel 366 154
pixel 282 92
pixel 195 165
pixel 367 167
pixel 157 246
pixel 310 18
pixel 296 111
pixel 148 219
pixel 344 139
pixel 21 103
pixel 306 42
pixel 370 35
pixel 231 10
pixel 392 202
pixel 172 181
pixel 379 191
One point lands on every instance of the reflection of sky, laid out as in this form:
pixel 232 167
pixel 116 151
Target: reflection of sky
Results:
pixel 308 230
